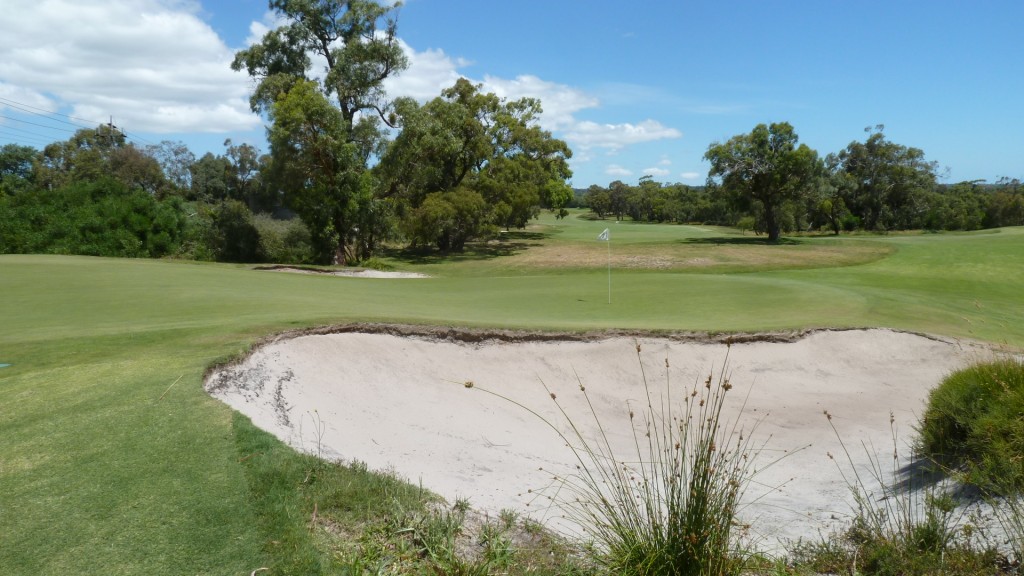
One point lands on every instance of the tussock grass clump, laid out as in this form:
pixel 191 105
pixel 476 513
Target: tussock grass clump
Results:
pixel 669 505
pixel 973 423
pixel 906 521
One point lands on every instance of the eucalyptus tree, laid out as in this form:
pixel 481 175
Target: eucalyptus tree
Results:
pixel 763 169
pixel 598 200
pixel 467 151
pixel 336 53
pixel 176 161
pixel 888 182
pixel 84 157
pixel 16 167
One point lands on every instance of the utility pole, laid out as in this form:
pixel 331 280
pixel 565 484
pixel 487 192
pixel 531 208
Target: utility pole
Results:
pixel 110 132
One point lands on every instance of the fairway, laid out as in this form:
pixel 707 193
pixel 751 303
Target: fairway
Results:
pixel 114 454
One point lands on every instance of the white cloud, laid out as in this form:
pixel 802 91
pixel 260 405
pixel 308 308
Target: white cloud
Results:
pixel 26 97
pixel 692 176
pixel 432 70
pixel 664 162
pixel 257 30
pixel 656 172
pixel 429 72
pixel 153 65
pixel 616 170
pixel 614 137
pixel 559 101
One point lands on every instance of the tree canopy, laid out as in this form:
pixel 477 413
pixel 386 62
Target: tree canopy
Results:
pixel 765 167
pixel 886 184
pixel 482 147
pixel 319 150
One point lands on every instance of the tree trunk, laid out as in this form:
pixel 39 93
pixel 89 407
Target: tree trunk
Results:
pixel 771 223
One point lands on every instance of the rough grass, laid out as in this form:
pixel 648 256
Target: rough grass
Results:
pixel 570 244
pixel 704 257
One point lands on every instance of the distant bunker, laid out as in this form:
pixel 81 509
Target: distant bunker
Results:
pixel 414 401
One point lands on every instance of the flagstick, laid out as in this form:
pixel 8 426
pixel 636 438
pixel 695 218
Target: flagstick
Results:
pixel 609 269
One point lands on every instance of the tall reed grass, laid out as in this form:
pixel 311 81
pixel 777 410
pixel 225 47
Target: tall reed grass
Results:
pixel 668 506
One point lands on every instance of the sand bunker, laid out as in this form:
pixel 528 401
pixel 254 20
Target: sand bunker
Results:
pixel 362 273
pixel 400 402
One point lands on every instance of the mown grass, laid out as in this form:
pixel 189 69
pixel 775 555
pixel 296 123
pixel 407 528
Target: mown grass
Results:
pixel 114 460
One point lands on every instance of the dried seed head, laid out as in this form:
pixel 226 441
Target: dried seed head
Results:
pixel 468 384
pixel 666 362
pixel 726 386
pixel 827 415
pixel 637 347
pixel 553 397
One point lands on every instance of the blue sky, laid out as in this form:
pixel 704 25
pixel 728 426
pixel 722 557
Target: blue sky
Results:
pixel 634 89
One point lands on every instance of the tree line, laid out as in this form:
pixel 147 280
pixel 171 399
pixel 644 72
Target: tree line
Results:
pixel 766 181
pixel 350 170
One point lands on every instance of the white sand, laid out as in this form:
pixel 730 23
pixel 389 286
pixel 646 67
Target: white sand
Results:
pixel 361 273
pixel 400 403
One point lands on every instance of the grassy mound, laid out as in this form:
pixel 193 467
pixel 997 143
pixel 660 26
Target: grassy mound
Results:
pixel 974 423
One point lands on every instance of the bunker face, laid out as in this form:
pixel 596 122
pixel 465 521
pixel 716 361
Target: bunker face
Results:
pixel 405 404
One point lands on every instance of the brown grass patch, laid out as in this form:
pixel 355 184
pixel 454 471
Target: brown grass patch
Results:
pixel 700 257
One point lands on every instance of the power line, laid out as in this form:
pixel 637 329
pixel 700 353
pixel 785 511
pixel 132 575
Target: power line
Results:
pixel 35 124
pixel 132 137
pixel 30 132
pixel 43 112
pixel 36 141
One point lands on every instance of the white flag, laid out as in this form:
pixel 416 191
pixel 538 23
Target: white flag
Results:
pixel 605 236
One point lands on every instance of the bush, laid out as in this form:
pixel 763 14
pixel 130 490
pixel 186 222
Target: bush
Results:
pixel 973 423
pixel 283 241
pixel 101 218
pixel 234 237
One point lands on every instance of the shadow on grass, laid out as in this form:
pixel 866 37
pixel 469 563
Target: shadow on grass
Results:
pixel 507 244
pixel 740 241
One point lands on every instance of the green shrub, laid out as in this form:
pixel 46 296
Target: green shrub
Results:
pixel 283 241
pixel 100 218
pixel 973 423
pixel 234 237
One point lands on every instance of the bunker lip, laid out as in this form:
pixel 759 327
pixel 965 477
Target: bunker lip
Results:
pixel 393 396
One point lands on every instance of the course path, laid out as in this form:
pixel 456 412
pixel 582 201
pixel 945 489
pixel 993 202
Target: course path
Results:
pixel 401 402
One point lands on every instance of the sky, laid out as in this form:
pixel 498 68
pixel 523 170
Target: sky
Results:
pixel 635 89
